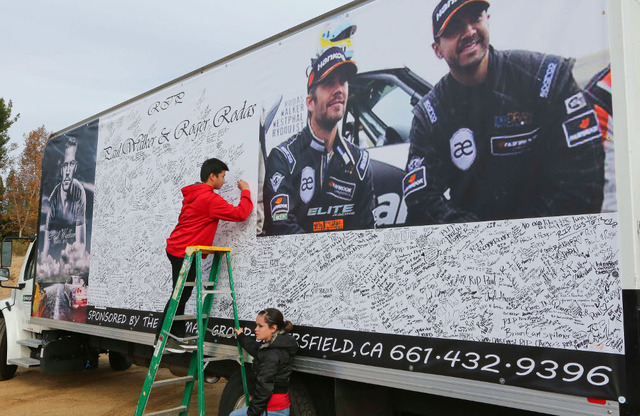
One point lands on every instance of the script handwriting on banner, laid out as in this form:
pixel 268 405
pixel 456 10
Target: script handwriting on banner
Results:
pixel 229 115
pixel 159 106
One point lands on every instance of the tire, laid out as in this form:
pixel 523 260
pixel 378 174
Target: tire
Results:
pixel 301 401
pixel 118 362
pixel 6 371
pixel 233 397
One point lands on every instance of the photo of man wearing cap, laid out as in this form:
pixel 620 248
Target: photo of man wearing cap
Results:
pixel 316 180
pixel 505 134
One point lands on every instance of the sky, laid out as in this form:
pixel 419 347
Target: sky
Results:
pixel 65 60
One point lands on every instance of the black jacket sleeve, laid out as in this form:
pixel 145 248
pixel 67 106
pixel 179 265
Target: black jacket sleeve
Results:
pixel 573 174
pixel 249 344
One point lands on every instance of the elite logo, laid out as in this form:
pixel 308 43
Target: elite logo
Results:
pixel 463 148
pixel 307 184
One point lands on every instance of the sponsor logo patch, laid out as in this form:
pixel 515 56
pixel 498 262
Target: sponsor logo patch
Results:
pixel 581 129
pixel 284 149
pixel 280 207
pixel 548 77
pixel 341 189
pixel 307 184
pixel 333 210
pixel 276 180
pixel 414 181
pixel 513 119
pixel 330 225
pixel 513 145
pixel 463 148
pixel 575 103
pixel 363 164
pixel 414 163
pixel 430 111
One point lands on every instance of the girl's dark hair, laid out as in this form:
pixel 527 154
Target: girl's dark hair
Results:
pixel 272 316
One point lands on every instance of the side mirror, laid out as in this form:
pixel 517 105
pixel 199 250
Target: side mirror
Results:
pixel 4 275
pixel 6 254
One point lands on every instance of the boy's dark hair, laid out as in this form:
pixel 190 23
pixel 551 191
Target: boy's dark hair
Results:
pixel 213 165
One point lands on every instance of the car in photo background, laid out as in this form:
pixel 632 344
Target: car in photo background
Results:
pixel 378 119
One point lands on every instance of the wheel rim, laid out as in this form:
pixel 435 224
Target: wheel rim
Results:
pixel 239 403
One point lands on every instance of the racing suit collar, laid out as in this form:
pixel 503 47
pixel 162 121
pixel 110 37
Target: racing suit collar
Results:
pixel 339 146
pixel 316 143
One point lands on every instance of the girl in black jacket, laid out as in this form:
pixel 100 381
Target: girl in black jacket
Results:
pixel 272 364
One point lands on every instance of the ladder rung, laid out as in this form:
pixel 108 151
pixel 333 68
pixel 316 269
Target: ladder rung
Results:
pixel 175 410
pixel 211 292
pixel 188 317
pixel 193 284
pixel 169 381
pixel 206 250
pixel 220 358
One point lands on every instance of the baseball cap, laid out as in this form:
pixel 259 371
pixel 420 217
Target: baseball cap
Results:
pixel 445 10
pixel 327 62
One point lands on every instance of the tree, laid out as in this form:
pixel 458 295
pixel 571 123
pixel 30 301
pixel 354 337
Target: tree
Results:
pixel 3 210
pixel 22 189
pixel 5 122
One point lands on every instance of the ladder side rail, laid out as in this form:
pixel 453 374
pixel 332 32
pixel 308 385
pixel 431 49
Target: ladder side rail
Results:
pixel 201 332
pixel 237 326
pixel 162 338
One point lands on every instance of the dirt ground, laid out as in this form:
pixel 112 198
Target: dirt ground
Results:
pixel 99 392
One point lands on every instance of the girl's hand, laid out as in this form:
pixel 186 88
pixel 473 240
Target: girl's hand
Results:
pixel 238 331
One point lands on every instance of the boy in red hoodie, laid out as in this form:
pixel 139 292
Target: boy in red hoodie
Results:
pixel 202 208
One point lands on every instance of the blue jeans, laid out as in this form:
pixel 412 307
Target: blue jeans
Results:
pixel 243 412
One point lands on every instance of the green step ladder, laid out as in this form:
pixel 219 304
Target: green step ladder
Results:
pixel 198 362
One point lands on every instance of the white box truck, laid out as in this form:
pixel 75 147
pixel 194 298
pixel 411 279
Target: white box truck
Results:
pixel 496 268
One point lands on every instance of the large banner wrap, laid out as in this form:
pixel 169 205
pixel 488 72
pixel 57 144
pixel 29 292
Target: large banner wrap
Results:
pixel 433 199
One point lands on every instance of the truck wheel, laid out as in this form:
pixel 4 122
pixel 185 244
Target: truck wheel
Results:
pixel 301 401
pixel 233 397
pixel 6 371
pixel 118 362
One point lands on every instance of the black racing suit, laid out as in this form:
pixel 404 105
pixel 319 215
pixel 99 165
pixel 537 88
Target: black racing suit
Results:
pixel 525 143
pixel 306 190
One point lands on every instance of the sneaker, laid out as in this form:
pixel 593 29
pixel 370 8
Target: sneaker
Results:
pixel 174 346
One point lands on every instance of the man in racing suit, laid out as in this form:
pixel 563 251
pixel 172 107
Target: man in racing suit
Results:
pixel 505 134
pixel 316 180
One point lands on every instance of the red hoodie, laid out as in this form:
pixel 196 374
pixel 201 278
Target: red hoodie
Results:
pixel 198 221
